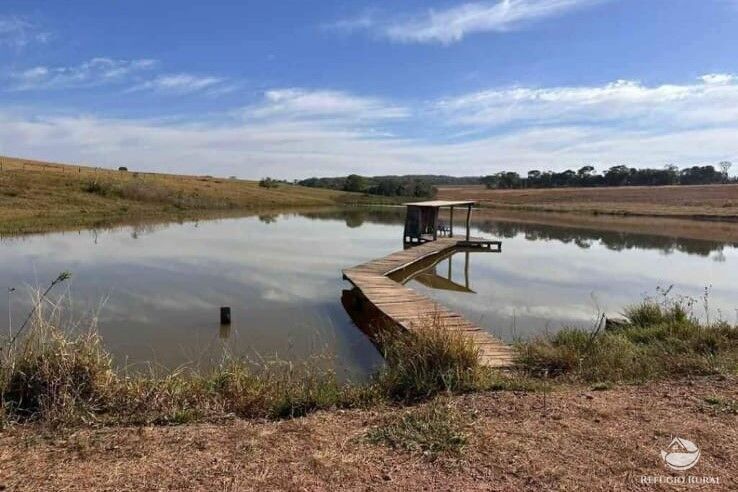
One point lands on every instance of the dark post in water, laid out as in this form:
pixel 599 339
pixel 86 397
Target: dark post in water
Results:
pixel 225 315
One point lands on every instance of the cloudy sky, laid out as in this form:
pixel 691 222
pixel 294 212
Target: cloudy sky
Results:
pixel 293 89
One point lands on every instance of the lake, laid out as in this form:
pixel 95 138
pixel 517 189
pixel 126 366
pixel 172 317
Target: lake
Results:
pixel 156 290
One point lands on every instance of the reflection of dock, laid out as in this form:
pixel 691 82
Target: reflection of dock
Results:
pixel 377 282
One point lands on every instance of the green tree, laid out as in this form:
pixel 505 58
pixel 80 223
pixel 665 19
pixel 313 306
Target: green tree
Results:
pixel 354 182
pixel 585 172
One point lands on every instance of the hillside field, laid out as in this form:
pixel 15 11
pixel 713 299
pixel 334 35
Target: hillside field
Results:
pixel 38 196
pixel 719 202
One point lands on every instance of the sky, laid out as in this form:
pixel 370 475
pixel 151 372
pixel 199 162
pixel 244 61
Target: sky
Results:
pixel 293 89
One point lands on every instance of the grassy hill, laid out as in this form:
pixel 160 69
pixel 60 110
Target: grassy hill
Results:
pixel 38 196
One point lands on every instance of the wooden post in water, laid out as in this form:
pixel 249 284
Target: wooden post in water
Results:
pixel 451 223
pixel 468 221
pixel 225 315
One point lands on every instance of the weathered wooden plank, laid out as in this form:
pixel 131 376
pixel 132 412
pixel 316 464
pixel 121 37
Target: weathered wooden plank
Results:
pixel 411 310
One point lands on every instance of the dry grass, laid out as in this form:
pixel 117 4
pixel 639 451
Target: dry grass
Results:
pixel 433 430
pixel 698 201
pixel 426 362
pixel 572 440
pixel 62 377
pixel 36 196
pixel 562 437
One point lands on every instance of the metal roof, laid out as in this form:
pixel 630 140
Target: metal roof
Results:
pixel 440 203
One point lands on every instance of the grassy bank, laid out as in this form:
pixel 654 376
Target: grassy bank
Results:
pixel 430 417
pixel 656 341
pixel 708 202
pixel 61 379
pixel 37 196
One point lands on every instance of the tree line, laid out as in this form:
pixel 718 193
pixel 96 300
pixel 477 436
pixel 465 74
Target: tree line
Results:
pixel 423 185
pixel 410 186
pixel 614 176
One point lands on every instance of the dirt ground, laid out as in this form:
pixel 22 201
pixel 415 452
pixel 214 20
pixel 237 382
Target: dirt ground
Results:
pixel 568 439
pixel 699 201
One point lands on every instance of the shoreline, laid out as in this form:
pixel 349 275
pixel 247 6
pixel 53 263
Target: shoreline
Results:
pixel 613 213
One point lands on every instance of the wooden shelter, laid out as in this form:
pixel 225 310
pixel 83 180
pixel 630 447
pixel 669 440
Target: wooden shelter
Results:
pixel 422 224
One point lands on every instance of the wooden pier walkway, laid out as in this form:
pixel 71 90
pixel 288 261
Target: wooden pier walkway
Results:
pixel 410 310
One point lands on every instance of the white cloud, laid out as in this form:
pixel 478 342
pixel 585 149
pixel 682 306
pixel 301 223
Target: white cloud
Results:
pixel 96 71
pixel 19 32
pixel 718 78
pixel 713 100
pixel 452 24
pixel 298 103
pixel 181 83
pixel 103 71
pixel 301 149
pixel 298 133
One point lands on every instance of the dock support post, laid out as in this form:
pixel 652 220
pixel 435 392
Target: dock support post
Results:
pixel 451 223
pixel 466 269
pixel 468 222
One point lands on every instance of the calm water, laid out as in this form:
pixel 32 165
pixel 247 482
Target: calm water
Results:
pixel 157 290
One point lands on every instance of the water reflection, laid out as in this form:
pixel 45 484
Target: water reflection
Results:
pixel 614 240
pixel 435 272
pixel 162 285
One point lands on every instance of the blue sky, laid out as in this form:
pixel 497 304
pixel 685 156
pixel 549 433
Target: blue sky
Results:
pixel 294 89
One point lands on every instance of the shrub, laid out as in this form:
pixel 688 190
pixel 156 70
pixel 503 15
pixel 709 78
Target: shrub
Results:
pixel 659 341
pixel 98 187
pixel 55 377
pixel 268 183
pixel 428 361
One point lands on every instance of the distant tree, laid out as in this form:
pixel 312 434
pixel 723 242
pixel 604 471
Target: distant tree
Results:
pixel 508 180
pixel 700 175
pixel 617 176
pixel 268 183
pixel 490 181
pixel 421 188
pixel 567 178
pixel 585 171
pixel 354 182
pixel 534 179
pixel 725 168
pixel 585 175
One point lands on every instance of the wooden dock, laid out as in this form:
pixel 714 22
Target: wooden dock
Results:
pixel 410 310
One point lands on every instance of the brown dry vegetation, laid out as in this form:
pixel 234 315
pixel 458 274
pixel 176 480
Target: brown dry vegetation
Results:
pixel 718 202
pixel 572 438
pixel 38 196
pixel 433 418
